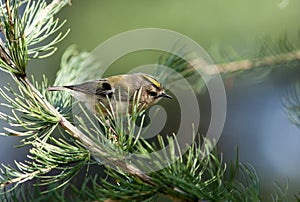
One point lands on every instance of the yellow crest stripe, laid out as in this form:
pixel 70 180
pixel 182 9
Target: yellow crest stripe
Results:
pixel 153 81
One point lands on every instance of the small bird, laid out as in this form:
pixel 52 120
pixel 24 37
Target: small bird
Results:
pixel 117 93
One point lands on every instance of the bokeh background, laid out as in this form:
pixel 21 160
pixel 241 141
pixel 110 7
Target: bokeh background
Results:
pixel 256 121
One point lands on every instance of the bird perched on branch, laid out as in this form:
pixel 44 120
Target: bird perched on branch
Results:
pixel 118 93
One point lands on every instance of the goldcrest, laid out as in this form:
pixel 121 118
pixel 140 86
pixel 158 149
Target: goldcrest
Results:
pixel 117 92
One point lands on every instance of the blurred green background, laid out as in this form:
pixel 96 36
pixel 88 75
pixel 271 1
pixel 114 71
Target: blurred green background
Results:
pixel 255 120
pixel 231 23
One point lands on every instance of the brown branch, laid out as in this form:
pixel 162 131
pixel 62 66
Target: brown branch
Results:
pixel 242 65
pixel 7 6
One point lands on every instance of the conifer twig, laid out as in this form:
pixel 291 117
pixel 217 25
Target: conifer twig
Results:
pixel 25 177
pixel 41 15
pixel 242 65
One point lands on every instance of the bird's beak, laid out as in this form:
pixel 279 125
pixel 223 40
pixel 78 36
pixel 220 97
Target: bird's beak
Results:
pixel 166 95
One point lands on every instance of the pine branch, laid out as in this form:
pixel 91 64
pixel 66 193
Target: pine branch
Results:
pixel 266 62
pixel 187 68
pixel 228 63
pixel 18 72
pixel 25 177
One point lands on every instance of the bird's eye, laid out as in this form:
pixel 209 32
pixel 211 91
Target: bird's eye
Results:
pixel 152 93
pixel 106 86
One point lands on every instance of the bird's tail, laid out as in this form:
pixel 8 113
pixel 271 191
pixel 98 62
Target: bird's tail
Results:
pixel 56 88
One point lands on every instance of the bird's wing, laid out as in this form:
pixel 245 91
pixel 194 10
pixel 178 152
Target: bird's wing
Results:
pixel 98 87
